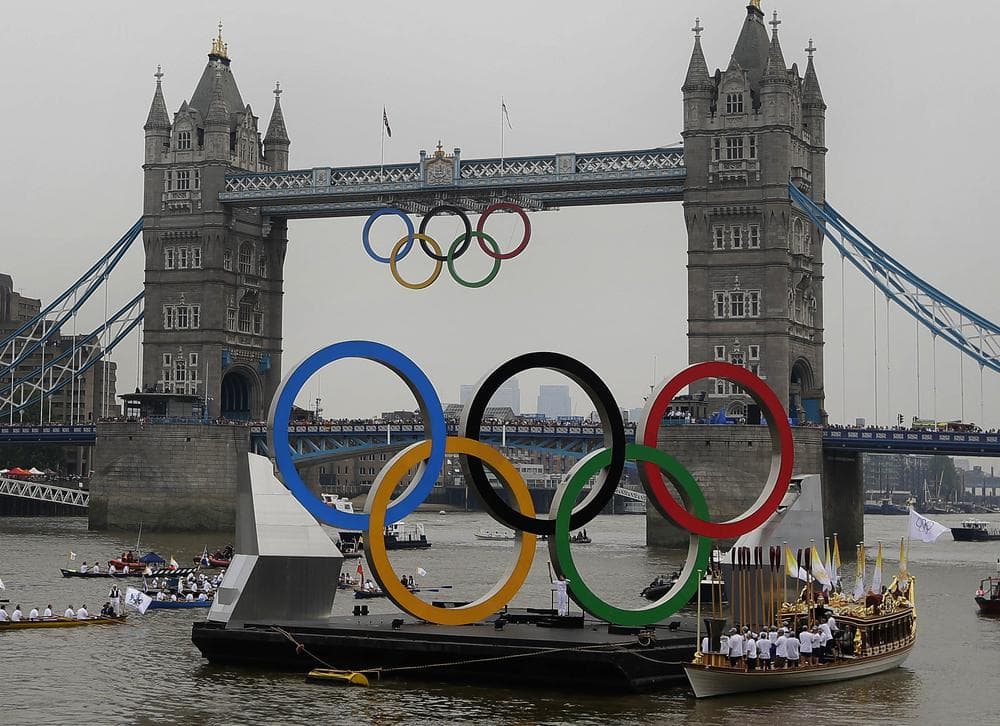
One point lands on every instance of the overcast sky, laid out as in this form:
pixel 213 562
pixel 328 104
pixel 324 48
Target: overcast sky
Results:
pixel 911 132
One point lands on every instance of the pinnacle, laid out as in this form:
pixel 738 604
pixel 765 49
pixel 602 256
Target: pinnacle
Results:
pixel 158 117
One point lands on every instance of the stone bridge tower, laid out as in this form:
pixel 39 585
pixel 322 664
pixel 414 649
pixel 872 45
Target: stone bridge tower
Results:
pixel 755 265
pixel 212 330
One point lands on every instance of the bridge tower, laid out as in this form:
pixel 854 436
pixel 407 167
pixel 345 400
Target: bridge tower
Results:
pixel 755 265
pixel 212 329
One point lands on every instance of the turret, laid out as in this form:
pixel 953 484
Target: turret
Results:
pixel 776 85
pixel 276 140
pixel 157 124
pixel 217 124
pixel 813 106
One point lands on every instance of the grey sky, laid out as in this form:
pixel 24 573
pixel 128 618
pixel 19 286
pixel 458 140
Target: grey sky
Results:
pixel 910 129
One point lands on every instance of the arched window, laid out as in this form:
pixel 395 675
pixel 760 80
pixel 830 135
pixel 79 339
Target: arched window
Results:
pixel 796 236
pixel 246 258
pixel 262 266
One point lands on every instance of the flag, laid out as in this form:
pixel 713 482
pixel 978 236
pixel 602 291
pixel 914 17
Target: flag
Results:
pixel 385 121
pixel 204 558
pixel 828 562
pixel 818 571
pixel 72 555
pixel 903 572
pixel 173 563
pixel 2 586
pixel 138 600
pixel 360 571
pixel 421 572
pixel 835 570
pixel 859 581
pixel 792 568
pixel 877 576
pixel 506 116
pixel 926 530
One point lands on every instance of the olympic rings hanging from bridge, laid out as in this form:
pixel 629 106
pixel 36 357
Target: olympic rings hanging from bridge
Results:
pixel 457 248
pixel 606 463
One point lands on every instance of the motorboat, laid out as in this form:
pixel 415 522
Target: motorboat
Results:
pixel 403 536
pixel 884 506
pixel 988 595
pixel 974 530
pixel 495 534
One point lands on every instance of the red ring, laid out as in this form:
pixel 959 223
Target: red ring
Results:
pixel 510 207
pixel 781 433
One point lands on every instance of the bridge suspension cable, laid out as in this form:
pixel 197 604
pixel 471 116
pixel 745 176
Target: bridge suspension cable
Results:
pixel 27 339
pixel 972 334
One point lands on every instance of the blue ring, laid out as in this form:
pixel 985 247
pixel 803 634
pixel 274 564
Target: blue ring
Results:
pixel 427 401
pixel 368 225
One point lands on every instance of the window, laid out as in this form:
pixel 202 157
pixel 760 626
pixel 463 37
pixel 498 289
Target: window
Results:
pixel 193 360
pixel 720 304
pixel 734 103
pixel 720 352
pixel 737 237
pixel 246 259
pixel 231 319
pixel 196 257
pixel 183 180
pixel 245 319
pixel 721 386
pixel 718 237
pixel 716 149
pixel 196 181
pixel 752 150
pixel 754 351
pixel 182 317
pixel 195 316
pixel 168 258
pixel 184 140
pixel 169 317
pixel 182 257
pixel 262 266
pixel 737 359
pixel 753 303
pixel 753 237
pixel 258 323
pixel 227 260
pixel 734 148
pixel 168 360
pixel 736 305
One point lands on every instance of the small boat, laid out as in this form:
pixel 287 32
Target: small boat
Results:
pixel 712 590
pixel 179 604
pixel 495 534
pixel 403 536
pixel 341 504
pixel 343 678
pixel 974 530
pixel 219 559
pixel 878 634
pixel 360 594
pixel 580 538
pixel 988 596
pixel 103 573
pixel 350 544
pixel 885 506
pixel 58 621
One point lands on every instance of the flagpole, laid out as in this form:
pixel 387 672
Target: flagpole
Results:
pixel 381 128
pixel 501 135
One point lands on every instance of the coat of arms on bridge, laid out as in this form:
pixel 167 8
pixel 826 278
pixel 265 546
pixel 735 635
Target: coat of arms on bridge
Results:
pixel 440 169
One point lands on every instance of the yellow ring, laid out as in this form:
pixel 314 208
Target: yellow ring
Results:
pixel 378 560
pixel 437 263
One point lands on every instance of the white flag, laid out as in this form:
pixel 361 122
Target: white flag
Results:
pixel 926 530
pixel 138 600
pixel 72 555
pixel 2 586
pixel 421 572
pixel 819 572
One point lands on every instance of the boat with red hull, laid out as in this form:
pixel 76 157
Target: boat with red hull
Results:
pixel 988 596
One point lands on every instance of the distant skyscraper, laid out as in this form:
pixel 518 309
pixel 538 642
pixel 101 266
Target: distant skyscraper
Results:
pixel 553 401
pixel 508 395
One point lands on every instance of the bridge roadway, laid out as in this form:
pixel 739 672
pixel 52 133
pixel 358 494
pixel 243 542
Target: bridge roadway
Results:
pixel 330 440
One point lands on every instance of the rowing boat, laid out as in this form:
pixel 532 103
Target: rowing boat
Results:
pixel 179 604
pixel 59 621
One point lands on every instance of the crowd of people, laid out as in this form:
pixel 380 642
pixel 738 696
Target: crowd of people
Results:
pixel 192 588
pixel 779 647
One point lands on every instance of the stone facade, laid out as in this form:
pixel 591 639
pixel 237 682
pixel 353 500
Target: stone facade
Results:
pixel 177 477
pixel 755 265
pixel 213 275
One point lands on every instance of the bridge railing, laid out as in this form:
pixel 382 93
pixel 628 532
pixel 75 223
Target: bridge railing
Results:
pixel 42 492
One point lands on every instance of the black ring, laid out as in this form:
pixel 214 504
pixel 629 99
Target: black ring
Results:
pixel 611 422
pixel 468 231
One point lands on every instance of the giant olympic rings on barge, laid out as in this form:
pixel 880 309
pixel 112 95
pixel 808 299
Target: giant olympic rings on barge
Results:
pixel 656 468
pixel 456 249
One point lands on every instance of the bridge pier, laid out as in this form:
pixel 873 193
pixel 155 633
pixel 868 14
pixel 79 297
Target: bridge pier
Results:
pixel 730 463
pixel 169 477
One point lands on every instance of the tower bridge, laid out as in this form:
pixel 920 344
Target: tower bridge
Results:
pixel 219 193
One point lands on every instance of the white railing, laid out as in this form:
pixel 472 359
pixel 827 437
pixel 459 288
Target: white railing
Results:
pixel 42 492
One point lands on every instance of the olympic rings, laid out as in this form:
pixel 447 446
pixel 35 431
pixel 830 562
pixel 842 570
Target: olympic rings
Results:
pixel 607 462
pixel 366 241
pixel 378 559
pixel 467 236
pixel 430 410
pixel 483 237
pixel 393 259
pixel 611 421
pixel 699 548
pixel 433 250
pixel 782 453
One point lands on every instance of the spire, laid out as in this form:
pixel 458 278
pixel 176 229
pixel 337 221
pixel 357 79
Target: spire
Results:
pixel 775 68
pixel 158 117
pixel 276 131
pixel 752 47
pixel 697 75
pixel 811 93
pixel 220 49
pixel 218 111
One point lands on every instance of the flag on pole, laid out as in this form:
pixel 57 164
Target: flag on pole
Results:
pixel 138 600
pixel 360 570
pixel 792 568
pixel 421 572
pixel 72 555
pixel 903 568
pixel 859 581
pixel 877 576
pixel 506 116
pixel 173 563
pixel 926 530
pixel 2 586
pixel 385 121
pixel 819 571
pixel 828 562
pixel 835 570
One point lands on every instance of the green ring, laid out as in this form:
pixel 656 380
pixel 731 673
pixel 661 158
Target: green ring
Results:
pixel 699 549
pixel 496 260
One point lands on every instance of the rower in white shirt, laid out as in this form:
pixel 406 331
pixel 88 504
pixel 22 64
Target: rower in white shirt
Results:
pixel 83 567
pixel 764 651
pixel 33 615
pixel 70 612
pixel 735 648
pixel 751 649
pixel 3 614
pixel 792 645
pixel 806 645
pixel 111 568
pixel 15 617
pixel 96 568
pixel 82 613
pixel 48 612
pixel 780 651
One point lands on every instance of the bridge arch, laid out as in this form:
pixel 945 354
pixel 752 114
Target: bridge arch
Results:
pixel 803 404
pixel 239 395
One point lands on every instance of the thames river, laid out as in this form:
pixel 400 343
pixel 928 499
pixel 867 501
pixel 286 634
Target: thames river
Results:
pixel 147 671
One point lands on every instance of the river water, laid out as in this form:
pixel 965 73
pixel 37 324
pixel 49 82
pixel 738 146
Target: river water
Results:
pixel 147 671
